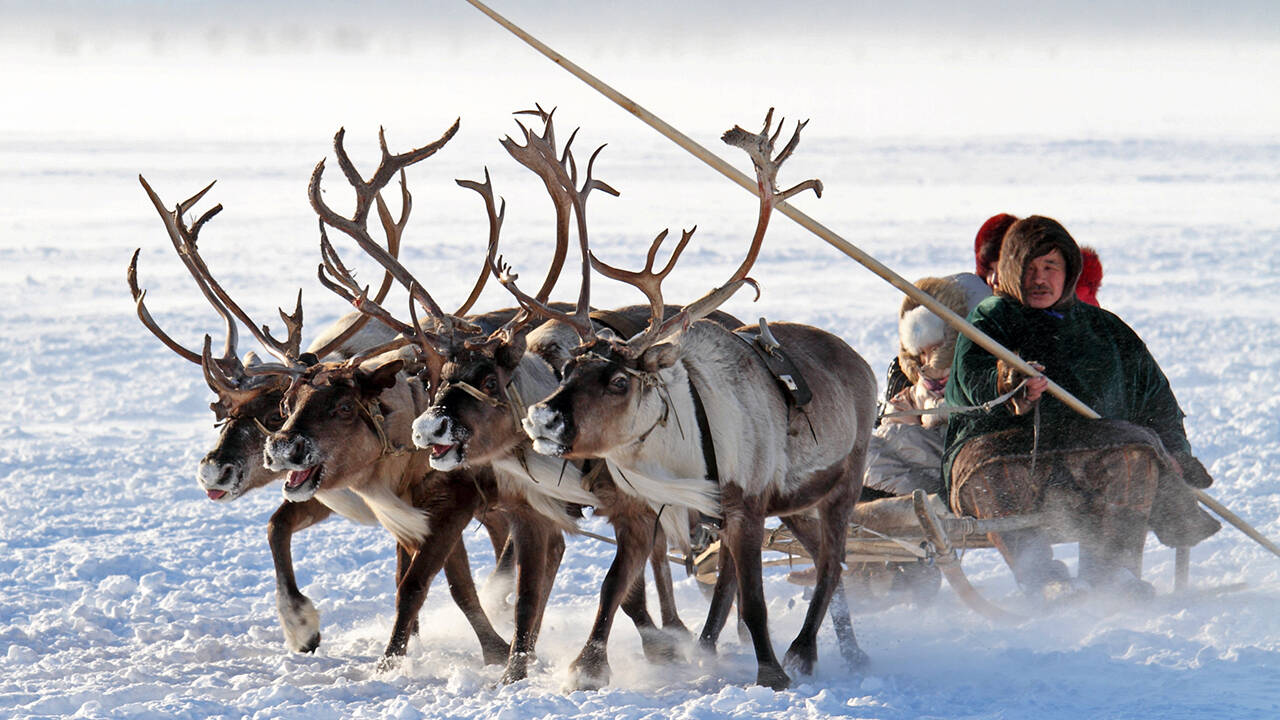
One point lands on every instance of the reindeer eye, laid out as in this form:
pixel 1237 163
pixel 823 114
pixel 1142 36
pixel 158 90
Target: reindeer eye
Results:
pixel 490 384
pixel 618 384
pixel 343 408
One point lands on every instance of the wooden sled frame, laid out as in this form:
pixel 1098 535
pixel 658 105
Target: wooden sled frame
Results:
pixel 912 529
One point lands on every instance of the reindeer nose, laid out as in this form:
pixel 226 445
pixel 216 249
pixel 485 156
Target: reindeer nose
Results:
pixel 431 430
pixel 283 451
pixel 214 475
pixel 296 451
pixel 548 419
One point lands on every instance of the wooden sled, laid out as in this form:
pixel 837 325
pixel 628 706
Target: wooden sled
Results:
pixel 904 534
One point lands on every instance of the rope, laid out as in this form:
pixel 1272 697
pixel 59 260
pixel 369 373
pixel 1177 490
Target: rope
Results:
pixel 949 409
pixel 375 418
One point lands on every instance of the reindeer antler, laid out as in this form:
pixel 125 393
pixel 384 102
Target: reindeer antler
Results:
pixel 649 283
pixel 181 236
pixel 759 146
pixel 560 175
pixel 366 191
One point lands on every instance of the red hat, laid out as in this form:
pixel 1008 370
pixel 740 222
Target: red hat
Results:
pixel 986 246
pixel 1090 276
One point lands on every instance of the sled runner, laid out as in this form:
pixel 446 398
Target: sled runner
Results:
pixel 909 543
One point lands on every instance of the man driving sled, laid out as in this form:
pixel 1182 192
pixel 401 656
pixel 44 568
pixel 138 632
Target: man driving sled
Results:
pixel 1112 477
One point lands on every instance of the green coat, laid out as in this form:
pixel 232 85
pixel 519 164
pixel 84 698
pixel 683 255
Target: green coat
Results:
pixel 1090 352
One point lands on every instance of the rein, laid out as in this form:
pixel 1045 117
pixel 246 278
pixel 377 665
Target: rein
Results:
pixel 986 407
pixel 513 402
pixel 949 409
pixel 372 412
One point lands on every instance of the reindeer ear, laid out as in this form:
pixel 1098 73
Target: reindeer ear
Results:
pixel 508 354
pixel 660 357
pixel 379 379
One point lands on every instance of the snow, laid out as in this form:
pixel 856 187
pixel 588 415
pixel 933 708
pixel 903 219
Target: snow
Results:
pixel 129 594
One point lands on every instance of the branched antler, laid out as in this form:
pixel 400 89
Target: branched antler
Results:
pixel 560 176
pixel 649 283
pixel 181 236
pixel 759 146
pixel 366 192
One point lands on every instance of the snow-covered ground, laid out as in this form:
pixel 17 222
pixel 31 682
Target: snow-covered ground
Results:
pixel 126 593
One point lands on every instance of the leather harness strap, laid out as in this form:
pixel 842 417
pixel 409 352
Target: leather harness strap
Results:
pixel 704 430
pixel 793 385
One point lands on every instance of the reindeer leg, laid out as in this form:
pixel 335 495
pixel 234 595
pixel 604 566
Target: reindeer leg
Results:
pixel 536 548
pixel 404 556
pixel 298 616
pixel 623 585
pixel 744 532
pixel 802 654
pixel 501 582
pixel 662 581
pixel 457 571
pixel 722 595
pixel 411 593
pixel 555 553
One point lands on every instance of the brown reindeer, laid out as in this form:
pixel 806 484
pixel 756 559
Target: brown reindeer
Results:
pixel 749 447
pixel 349 425
pixel 248 407
pixel 478 383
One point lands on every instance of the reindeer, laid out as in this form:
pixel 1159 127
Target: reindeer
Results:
pixel 484 378
pixel 758 455
pixel 479 396
pixel 348 427
pixel 248 404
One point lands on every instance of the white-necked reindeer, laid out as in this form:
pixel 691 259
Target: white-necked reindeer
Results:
pixel 478 383
pixel 761 455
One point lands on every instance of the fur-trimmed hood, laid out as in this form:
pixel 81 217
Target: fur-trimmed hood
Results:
pixel 1027 239
pixel 919 328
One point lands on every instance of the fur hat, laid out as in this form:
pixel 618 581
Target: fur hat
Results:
pixel 1030 238
pixel 1090 276
pixel 986 246
pixel 918 328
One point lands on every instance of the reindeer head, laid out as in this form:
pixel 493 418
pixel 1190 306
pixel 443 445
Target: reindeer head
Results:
pixel 476 404
pixel 614 392
pixel 334 427
pixel 248 391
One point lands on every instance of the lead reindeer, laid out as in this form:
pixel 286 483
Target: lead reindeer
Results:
pixel 321 451
pixel 762 456
pixel 478 384
pixel 249 396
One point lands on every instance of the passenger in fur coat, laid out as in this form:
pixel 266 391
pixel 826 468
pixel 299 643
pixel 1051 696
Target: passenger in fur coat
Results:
pixel 906 450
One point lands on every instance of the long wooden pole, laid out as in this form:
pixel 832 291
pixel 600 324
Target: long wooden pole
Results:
pixel 817 228
pixel 717 163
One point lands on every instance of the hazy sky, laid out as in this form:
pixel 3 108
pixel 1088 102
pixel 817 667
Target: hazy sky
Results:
pixel 981 67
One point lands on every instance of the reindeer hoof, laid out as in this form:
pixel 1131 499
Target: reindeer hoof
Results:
pixel 706 647
pixel 301 623
pixel 387 663
pixel 855 658
pixel 772 677
pixel 584 677
pixel 659 647
pixel 517 668
pixel 311 644
pixel 799 661
pixel 494 654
